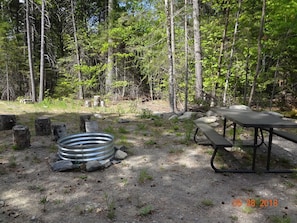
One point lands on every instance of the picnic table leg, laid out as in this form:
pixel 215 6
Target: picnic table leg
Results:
pixel 269 149
pixel 234 131
pixel 225 125
pixel 255 148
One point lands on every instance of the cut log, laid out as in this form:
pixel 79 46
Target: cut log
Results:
pixel 59 130
pixel 88 104
pixel 7 122
pixel 21 137
pixel 43 126
pixel 92 126
pixel 96 100
pixel 83 119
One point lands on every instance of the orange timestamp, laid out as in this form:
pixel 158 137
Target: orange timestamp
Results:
pixel 262 203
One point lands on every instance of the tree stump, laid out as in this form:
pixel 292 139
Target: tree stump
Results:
pixel 7 122
pixel 21 136
pixel 96 100
pixel 43 126
pixel 88 104
pixel 59 130
pixel 91 126
pixel 83 119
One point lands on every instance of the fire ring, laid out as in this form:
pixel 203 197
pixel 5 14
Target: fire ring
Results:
pixel 84 147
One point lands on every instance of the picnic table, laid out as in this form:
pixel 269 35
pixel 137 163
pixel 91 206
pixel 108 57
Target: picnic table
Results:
pixel 260 121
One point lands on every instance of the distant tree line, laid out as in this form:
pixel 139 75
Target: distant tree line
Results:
pixel 187 51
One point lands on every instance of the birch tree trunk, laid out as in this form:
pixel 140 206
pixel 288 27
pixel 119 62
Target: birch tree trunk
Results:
pixel 186 57
pixel 110 62
pixel 197 51
pixel 170 43
pixel 259 53
pixel 30 58
pixel 80 88
pixel 42 78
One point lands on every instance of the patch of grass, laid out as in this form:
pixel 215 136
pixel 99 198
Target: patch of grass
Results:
pixel 280 219
pixel 247 190
pixel 124 181
pixel 144 176
pixel 188 128
pixel 207 203
pixel 234 218
pixel 3 148
pixel 110 206
pixel 247 210
pixel 150 142
pixel 36 188
pixel 176 151
pixel 141 127
pixel 146 114
pixel 146 210
pixel 122 130
pixel 12 162
pixel 43 201
pixel 158 122
pixel 124 142
pixel 15 147
pixel 53 147
pixel 289 184
pixel 83 177
pixel 110 130
pixel 36 159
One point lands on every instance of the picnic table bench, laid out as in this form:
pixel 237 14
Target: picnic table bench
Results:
pixel 216 140
pixel 283 134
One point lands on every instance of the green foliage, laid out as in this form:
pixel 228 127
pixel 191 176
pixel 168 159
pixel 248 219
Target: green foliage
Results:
pixel 137 40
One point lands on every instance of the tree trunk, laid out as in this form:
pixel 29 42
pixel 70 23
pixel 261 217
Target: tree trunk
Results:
pixel 7 80
pixel 80 88
pixel 253 89
pixel 168 10
pixel 172 77
pixel 186 57
pixel 231 54
pixel 42 79
pixel 197 51
pixel 110 62
pixel 30 58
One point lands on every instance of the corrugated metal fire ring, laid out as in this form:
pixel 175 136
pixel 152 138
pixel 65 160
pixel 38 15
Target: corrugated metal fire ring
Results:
pixel 84 147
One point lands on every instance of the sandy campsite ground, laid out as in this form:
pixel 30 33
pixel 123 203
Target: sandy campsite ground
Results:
pixel 165 178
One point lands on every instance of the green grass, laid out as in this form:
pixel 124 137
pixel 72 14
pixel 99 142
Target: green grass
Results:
pixel 176 151
pixel 146 210
pixel 279 219
pixel 122 130
pixel 248 210
pixel 110 206
pixel 207 203
pixel 144 176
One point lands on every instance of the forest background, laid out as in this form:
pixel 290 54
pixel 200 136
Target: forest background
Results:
pixel 185 51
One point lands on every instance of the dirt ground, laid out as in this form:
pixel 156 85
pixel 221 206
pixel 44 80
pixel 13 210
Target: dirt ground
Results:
pixel 165 178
